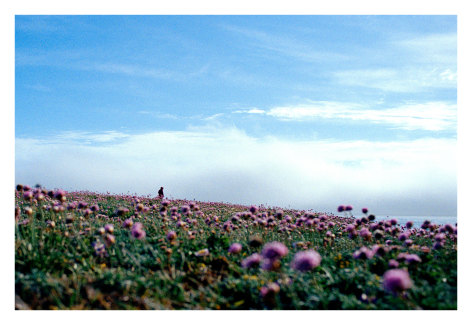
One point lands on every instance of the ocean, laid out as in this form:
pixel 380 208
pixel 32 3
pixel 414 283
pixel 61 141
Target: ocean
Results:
pixel 418 220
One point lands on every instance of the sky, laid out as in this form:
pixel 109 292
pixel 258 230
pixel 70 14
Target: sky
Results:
pixel 305 112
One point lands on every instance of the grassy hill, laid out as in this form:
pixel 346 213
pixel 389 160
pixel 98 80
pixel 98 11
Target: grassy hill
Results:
pixel 84 250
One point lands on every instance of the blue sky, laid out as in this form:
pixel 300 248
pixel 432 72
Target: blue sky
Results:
pixel 301 111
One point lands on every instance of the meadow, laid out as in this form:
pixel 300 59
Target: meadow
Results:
pixel 85 250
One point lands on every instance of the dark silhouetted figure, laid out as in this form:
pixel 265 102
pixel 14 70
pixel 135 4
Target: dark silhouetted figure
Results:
pixel 161 192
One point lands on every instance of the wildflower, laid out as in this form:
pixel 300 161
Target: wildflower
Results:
pixel 60 195
pixel 270 264
pixel 268 292
pixel 365 233
pixel 348 208
pixel 109 240
pixel 397 280
pixel 28 211
pixel 185 209
pixel 274 250
pixel 306 260
pixel 371 217
pixel 408 242
pixel 365 210
pixel 28 195
pixel 99 249
pixel 139 207
pixel 350 227
pixel 235 248
pixel 122 211
pixel 137 231
pixel 253 209
pixel 363 253
pixel 101 231
pixel 341 208
pixel 171 235
pixel 109 228
pixel 379 250
pixel 438 245
pixel 412 258
pixel 409 224
pixel 255 241
pixel 378 234
pixel 404 236
pixel 128 223
pixel 202 252
pixel 393 264
pixel 252 261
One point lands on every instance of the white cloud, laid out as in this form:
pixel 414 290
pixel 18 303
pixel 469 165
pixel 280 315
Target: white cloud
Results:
pixel 216 164
pixel 431 116
pixel 88 137
pixel 404 80
pixel 435 49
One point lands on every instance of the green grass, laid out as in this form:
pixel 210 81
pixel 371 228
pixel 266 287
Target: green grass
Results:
pixel 57 268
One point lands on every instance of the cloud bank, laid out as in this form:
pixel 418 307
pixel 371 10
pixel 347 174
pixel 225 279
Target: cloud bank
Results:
pixel 429 116
pixel 415 177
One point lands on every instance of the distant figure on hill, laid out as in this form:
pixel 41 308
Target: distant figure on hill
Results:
pixel 161 192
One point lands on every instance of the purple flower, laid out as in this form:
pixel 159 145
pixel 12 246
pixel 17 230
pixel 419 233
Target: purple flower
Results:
pixel 397 280
pixel 60 195
pixel 99 249
pixel 341 208
pixel 137 231
pixel 404 236
pixel 350 227
pixel 274 250
pixel 393 264
pixel 28 195
pixel 270 290
pixel 235 248
pixel 128 223
pixel 409 224
pixel 365 210
pixel 122 211
pixel 109 228
pixel 185 209
pixel 379 250
pixel 365 233
pixel 253 209
pixel 363 253
pixel 305 260
pixel 82 205
pixel 413 258
pixel 252 261
pixel 270 264
pixel 109 240
pixel 202 252
pixel 348 208
pixel 171 235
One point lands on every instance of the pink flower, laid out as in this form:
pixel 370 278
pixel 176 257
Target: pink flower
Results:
pixel 137 231
pixel 235 248
pixel 397 280
pixel 252 261
pixel 274 250
pixel 306 260
pixel 202 252
pixel 171 235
